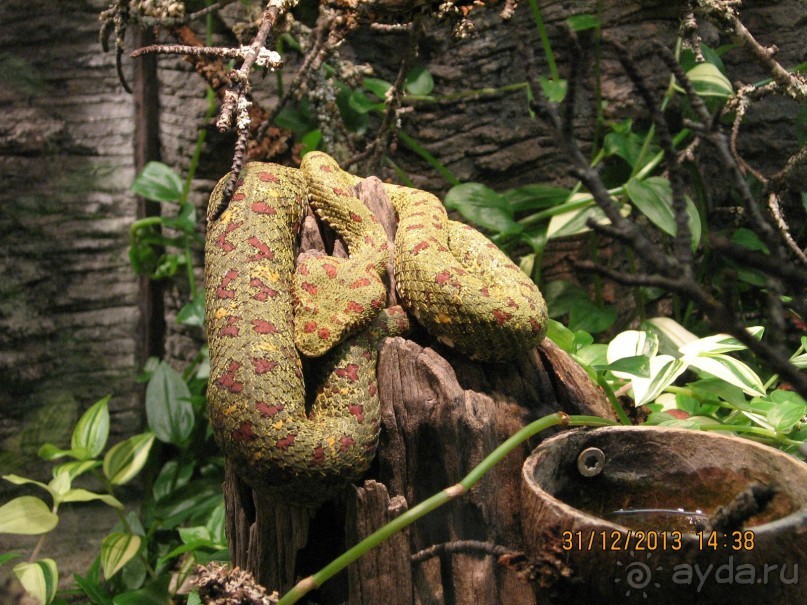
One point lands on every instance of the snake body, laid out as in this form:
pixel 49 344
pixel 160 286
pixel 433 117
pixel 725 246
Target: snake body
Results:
pixel 261 312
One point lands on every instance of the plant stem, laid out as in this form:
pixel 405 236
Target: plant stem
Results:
pixel 437 500
pixel 550 56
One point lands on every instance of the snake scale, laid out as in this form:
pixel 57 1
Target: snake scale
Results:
pixel 262 313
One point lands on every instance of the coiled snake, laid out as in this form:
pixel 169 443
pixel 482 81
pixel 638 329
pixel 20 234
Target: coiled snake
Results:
pixel 261 312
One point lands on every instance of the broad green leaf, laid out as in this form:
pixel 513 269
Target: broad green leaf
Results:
pixel 419 81
pixel 591 317
pixel 785 416
pixel 748 239
pixel 193 313
pixel 483 206
pixel 297 119
pixel 554 90
pixel 158 182
pixel 59 486
pixel 535 197
pixel 92 429
pixel 310 141
pixel 378 87
pixel 672 335
pixel 194 599
pixel 125 459
pixel 9 556
pixel 155 593
pixel 630 345
pixel 28 516
pixel 653 198
pixel 624 143
pixel 664 369
pixel 17 480
pixel 48 451
pixel 708 81
pixel 172 476
pixel 75 468
pixel 592 354
pixel 637 365
pixel 719 343
pixel 560 335
pixel 168 408
pixel 527 264
pixel 83 495
pixel 216 525
pixel 729 369
pixel 362 104
pixel 575 220
pixel 117 549
pixel 189 535
pixel 40 579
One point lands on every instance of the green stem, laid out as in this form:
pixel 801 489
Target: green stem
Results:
pixel 426 155
pixel 609 393
pixel 436 501
pixel 539 24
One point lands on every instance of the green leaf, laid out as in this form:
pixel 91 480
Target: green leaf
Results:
pixel 729 369
pixel 158 182
pixel 575 221
pixel 484 207
pixel 419 81
pixel 636 365
pixel 155 593
pixel 92 429
pixel 632 343
pixel 17 480
pixel 216 525
pixel 664 369
pixel 708 81
pixel 560 335
pixel 554 90
pixel 583 22
pixel 39 579
pixel 362 104
pixel 672 335
pixel 75 468
pixel 193 313
pixel 125 459
pixel 93 590
pixel 172 476
pixel 168 407
pixel 117 549
pixel 28 516
pixel 653 198
pixel 48 451
pixel 624 143
pixel 376 86
pixel 83 495
pixel 719 343
pixel 310 141
pixel 9 556
pixel 298 119
pixel 535 197
pixel 591 317
pixel 748 239
pixel 785 416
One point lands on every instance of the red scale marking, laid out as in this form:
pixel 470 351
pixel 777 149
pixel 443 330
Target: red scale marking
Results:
pixel 231 329
pixel 346 442
pixel 415 227
pixel 319 455
pixel 221 240
pixel 244 432
pixel 354 307
pixel 310 288
pixel 340 192
pixel 264 208
pixel 267 410
pixel 357 410
pixel 325 168
pixel 372 390
pixel 536 327
pixel 420 247
pixel 262 326
pixel 223 291
pixel 310 327
pixel 268 177
pixel 227 380
pixel 237 197
pixel 324 333
pixel 484 291
pixel 501 316
pixel 287 441
pixel 263 365
pixel 442 277
pixel 330 269
pixel 379 303
pixel 264 292
pixel 359 283
pixel 264 252
pixel 350 371
pixel 355 217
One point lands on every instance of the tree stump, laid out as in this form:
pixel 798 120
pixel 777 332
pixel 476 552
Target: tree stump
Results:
pixel 441 415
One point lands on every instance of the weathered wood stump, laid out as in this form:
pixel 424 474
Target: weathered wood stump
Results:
pixel 441 415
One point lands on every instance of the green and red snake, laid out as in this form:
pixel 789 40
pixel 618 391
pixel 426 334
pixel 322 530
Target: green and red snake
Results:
pixel 263 312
